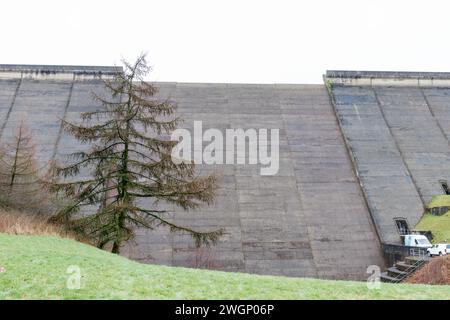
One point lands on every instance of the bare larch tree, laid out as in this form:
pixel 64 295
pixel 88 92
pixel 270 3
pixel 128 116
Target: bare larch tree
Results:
pixel 20 184
pixel 130 160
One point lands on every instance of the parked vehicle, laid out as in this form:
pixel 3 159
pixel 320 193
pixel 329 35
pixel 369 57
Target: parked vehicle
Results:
pixel 439 249
pixel 417 240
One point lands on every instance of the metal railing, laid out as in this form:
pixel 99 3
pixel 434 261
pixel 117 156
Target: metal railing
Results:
pixel 418 252
pixel 396 252
pixel 414 267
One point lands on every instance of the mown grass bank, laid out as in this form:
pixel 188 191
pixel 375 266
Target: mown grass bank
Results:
pixel 36 267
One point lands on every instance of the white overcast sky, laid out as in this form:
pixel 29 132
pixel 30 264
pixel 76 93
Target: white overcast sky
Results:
pixel 230 41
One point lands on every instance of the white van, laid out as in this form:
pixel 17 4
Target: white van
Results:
pixel 439 249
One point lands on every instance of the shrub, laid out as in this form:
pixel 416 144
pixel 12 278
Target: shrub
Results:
pixel 18 222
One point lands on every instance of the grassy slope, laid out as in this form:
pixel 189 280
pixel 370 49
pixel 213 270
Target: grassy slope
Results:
pixel 439 226
pixel 441 200
pixel 36 268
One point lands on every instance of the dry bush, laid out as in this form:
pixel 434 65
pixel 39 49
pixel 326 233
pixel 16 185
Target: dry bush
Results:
pixel 204 258
pixel 17 222
pixel 437 271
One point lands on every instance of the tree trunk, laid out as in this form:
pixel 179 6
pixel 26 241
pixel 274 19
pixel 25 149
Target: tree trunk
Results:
pixel 116 247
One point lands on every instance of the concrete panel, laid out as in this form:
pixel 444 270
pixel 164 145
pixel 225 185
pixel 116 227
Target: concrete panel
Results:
pixel 8 90
pixel 41 105
pixel 382 169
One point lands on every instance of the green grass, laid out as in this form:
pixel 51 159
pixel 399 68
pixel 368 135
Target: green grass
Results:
pixel 441 200
pixel 36 268
pixel 438 225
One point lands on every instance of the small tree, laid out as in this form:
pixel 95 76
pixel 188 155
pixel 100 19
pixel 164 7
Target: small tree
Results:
pixel 130 160
pixel 20 185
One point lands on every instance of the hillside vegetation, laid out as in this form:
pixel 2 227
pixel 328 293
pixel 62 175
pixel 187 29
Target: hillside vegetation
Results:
pixel 37 267
pixel 438 225
pixel 441 200
pixel 437 271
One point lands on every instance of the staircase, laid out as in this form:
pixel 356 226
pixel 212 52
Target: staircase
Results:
pixel 403 269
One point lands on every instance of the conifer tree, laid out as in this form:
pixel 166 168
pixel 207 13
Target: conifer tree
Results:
pixel 130 161
pixel 20 185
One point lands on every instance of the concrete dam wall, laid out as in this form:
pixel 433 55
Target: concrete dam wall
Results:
pixel 352 160
pixel 397 125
